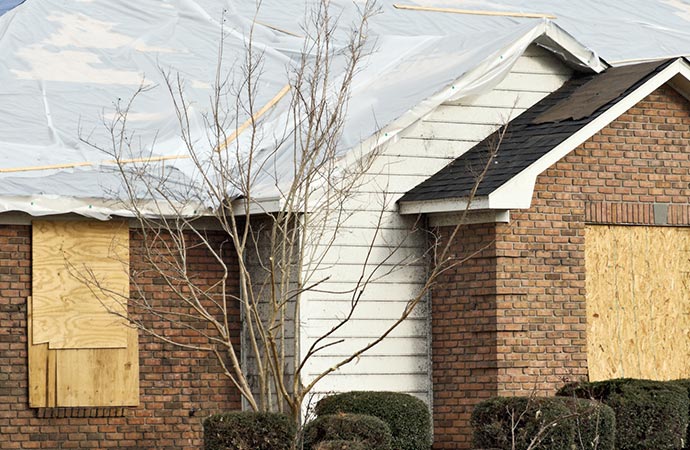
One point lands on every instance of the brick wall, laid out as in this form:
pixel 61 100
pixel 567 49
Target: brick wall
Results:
pixel 463 322
pixel 618 176
pixel 172 381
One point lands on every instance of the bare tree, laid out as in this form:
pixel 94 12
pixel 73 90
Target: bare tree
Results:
pixel 281 251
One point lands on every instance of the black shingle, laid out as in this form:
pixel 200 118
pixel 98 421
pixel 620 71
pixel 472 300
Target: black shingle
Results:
pixel 528 137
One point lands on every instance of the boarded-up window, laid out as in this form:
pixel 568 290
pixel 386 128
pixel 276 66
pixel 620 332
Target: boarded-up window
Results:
pixel 638 302
pixel 81 351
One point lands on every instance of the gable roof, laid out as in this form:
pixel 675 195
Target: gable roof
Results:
pixel 528 145
pixel 65 63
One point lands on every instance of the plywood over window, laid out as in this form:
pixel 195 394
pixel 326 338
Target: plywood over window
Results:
pixel 81 351
pixel 638 302
pixel 67 312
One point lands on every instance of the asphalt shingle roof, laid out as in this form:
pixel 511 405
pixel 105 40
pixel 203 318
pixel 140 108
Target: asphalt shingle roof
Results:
pixel 534 133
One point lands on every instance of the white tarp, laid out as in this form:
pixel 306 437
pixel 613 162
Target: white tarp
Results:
pixel 65 65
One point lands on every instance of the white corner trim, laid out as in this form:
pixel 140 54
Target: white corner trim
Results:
pixel 472 217
pixel 518 191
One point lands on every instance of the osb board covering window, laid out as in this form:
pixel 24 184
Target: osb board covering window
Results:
pixel 80 353
pixel 67 311
pixel 638 302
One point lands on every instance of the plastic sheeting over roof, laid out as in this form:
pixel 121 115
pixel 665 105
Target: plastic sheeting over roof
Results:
pixel 65 66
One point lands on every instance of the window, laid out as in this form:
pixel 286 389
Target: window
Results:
pixel 81 351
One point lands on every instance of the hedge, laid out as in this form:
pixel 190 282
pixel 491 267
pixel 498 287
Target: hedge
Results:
pixel 248 431
pixel 594 424
pixel 370 431
pixel 340 445
pixel 649 414
pixel 686 385
pixel 493 421
pixel 407 417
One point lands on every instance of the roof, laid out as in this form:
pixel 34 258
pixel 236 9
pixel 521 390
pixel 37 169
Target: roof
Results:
pixel 534 133
pixel 64 66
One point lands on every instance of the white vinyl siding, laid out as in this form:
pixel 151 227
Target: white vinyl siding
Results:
pixel 401 362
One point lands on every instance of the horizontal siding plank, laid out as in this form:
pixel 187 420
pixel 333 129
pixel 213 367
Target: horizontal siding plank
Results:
pixel 329 308
pixel 372 365
pixel 366 328
pixel 450 131
pixel 503 98
pixel 391 346
pixel 394 165
pixel 545 64
pixel 411 147
pixel 473 115
pixel 389 382
pixel 532 82
pixel 378 291
pixel 381 274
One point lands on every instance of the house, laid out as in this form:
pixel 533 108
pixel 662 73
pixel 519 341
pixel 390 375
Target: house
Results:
pixel 569 244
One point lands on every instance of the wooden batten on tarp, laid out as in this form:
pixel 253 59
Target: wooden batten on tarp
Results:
pixel 638 313
pixel 81 354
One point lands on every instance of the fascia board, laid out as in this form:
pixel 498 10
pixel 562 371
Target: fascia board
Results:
pixel 442 206
pixel 257 206
pixel 571 50
pixel 518 191
pixel 472 217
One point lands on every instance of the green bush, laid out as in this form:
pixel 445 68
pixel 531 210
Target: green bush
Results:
pixel 686 385
pixel 340 445
pixel 649 414
pixel 594 424
pixel 496 420
pixel 370 431
pixel 248 431
pixel 407 417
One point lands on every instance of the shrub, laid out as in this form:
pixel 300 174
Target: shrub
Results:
pixel 649 414
pixel 370 431
pixel 594 424
pixel 248 431
pixel 495 420
pixel 340 445
pixel 407 417
pixel 686 385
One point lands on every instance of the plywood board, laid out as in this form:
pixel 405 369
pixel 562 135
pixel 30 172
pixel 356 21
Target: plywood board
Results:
pixel 67 312
pixel 99 377
pixel 638 312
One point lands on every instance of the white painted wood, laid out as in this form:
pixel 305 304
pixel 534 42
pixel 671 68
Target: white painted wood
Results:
pixel 367 328
pixel 502 98
pixel 411 165
pixel 401 363
pixel 473 115
pixel 372 365
pixel 451 131
pixel 331 307
pixel 428 148
pixel 392 291
pixel 404 346
pixel 528 82
pixel 391 382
